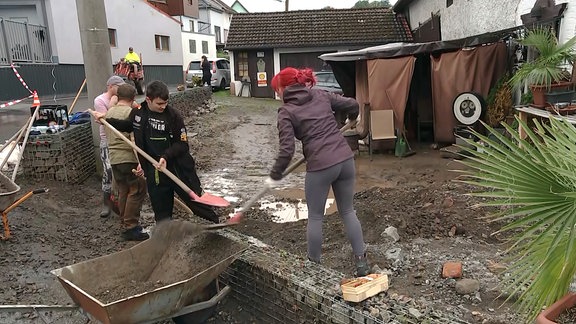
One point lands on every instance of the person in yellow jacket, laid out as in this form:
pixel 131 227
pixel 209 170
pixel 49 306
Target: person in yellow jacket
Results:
pixel 132 58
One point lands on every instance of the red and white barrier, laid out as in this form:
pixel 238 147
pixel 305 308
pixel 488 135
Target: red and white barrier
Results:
pixel 20 78
pixel 32 93
pixel 14 102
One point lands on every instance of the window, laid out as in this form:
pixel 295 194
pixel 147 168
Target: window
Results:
pixel 192 45
pixel 242 64
pixel 218 34
pixel 191 25
pixel 112 37
pixel 162 42
pixel 225 35
pixel 449 3
pixel 204 47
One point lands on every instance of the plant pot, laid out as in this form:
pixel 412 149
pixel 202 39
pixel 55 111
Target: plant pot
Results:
pixel 539 92
pixel 550 314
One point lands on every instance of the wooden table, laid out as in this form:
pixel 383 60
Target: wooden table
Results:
pixel 524 111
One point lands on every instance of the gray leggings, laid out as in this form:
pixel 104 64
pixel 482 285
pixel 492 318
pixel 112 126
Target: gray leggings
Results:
pixel 341 178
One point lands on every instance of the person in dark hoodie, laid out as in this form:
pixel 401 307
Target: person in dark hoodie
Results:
pixel 308 115
pixel 159 131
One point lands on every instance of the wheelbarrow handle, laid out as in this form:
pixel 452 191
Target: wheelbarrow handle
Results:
pixel 39 191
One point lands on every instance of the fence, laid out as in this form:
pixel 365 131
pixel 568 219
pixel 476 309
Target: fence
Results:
pixel 23 42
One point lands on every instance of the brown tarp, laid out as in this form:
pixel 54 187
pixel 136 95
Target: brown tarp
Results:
pixel 467 70
pixel 389 84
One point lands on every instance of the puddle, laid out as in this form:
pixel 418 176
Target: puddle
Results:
pixel 218 184
pixel 285 212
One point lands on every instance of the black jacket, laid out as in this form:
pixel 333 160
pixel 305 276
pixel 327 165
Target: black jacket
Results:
pixel 158 134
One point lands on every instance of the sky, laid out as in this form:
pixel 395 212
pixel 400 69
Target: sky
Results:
pixel 319 4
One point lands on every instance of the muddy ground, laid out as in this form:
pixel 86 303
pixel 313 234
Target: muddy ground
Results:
pixel 234 147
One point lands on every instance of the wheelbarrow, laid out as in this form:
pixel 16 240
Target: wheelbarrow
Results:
pixel 182 300
pixel 9 200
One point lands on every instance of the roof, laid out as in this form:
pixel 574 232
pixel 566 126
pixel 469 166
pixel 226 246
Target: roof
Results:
pixel 216 5
pixel 392 50
pixel 258 5
pixel 400 5
pixel 317 28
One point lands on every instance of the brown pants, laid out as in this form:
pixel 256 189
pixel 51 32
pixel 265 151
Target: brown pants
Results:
pixel 131 193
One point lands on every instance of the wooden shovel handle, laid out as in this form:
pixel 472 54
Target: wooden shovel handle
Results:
pixel 147 157
pixel 286 172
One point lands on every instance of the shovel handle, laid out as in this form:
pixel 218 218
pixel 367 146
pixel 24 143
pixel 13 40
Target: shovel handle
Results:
pixel 286 172
pixel 148 157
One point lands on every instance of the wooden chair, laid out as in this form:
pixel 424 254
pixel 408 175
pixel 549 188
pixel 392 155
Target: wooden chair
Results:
pixel 381 127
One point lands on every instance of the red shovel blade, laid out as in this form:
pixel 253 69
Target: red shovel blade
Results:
pixel 209 199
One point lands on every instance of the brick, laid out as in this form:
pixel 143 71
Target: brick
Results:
pixel 452 270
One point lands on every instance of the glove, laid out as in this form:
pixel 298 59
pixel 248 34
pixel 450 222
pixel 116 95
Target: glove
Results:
pixel 271 183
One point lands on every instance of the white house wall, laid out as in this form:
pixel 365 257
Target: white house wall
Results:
pixel 222 20
pixel 467 18
pixel 135 22
pixel 187 56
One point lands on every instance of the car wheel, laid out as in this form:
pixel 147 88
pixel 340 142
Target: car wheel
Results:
pixel 468 107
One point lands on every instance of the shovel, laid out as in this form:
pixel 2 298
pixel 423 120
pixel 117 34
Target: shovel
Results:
pixel 206 198
pixel 239 215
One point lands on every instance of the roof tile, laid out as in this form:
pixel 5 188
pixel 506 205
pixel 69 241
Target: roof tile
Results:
pixel 315 28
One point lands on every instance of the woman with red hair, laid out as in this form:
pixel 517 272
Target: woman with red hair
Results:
pixel 308 115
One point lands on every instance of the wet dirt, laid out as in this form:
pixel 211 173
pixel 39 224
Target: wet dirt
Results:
pixel 183 259
pixel 234 148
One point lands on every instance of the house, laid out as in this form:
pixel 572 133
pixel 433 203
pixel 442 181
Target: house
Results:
pixel 261 44
pixel 43 39
pixel 205 25
pixel 252 6
pixel 451 58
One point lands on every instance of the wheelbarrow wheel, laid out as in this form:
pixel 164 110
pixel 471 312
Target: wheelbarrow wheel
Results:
pixel 201 316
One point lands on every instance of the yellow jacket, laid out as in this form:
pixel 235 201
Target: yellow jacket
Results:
pixel 132 57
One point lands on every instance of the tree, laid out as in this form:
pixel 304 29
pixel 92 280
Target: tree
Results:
pixel 372 4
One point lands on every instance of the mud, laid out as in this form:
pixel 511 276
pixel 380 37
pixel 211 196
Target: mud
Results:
pixel 234 148
pixel 182 260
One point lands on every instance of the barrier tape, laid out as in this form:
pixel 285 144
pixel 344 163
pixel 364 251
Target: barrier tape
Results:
pixel 14 102
pixel 20 78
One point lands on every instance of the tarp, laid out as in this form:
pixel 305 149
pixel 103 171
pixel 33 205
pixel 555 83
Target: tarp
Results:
pixel 389 84
pixel 467 70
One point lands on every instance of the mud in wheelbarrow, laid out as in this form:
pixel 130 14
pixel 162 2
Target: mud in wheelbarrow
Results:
pixel 151 281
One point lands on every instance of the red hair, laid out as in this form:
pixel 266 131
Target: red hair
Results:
pixel 291 76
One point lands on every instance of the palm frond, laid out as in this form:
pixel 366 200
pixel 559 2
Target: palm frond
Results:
pixel 534 184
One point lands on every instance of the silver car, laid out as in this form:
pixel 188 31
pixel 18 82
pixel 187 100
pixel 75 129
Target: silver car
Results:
pixel 220 72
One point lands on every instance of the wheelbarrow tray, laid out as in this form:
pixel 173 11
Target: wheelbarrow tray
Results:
pixel 8 193
pixel 132 265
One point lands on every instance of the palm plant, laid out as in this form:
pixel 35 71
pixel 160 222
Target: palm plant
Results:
pixel 547 68
pixel 533 181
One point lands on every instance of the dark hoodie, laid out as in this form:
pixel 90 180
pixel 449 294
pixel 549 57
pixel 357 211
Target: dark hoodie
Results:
pixel 308 115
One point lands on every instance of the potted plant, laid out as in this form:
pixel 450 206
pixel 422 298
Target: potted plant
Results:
pixel 532 183
pixel 547 72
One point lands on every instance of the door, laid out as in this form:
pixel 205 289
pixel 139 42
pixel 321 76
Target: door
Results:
pixel 261 71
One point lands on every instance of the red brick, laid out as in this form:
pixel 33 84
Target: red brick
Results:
pixel 452 270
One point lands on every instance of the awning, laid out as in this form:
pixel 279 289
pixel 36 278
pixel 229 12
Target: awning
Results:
pixel 405 49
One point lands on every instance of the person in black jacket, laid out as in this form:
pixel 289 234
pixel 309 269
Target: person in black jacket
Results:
pixel 159 131
pixel 206 74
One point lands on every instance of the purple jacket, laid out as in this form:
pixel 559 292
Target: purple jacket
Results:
pixel 308 115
